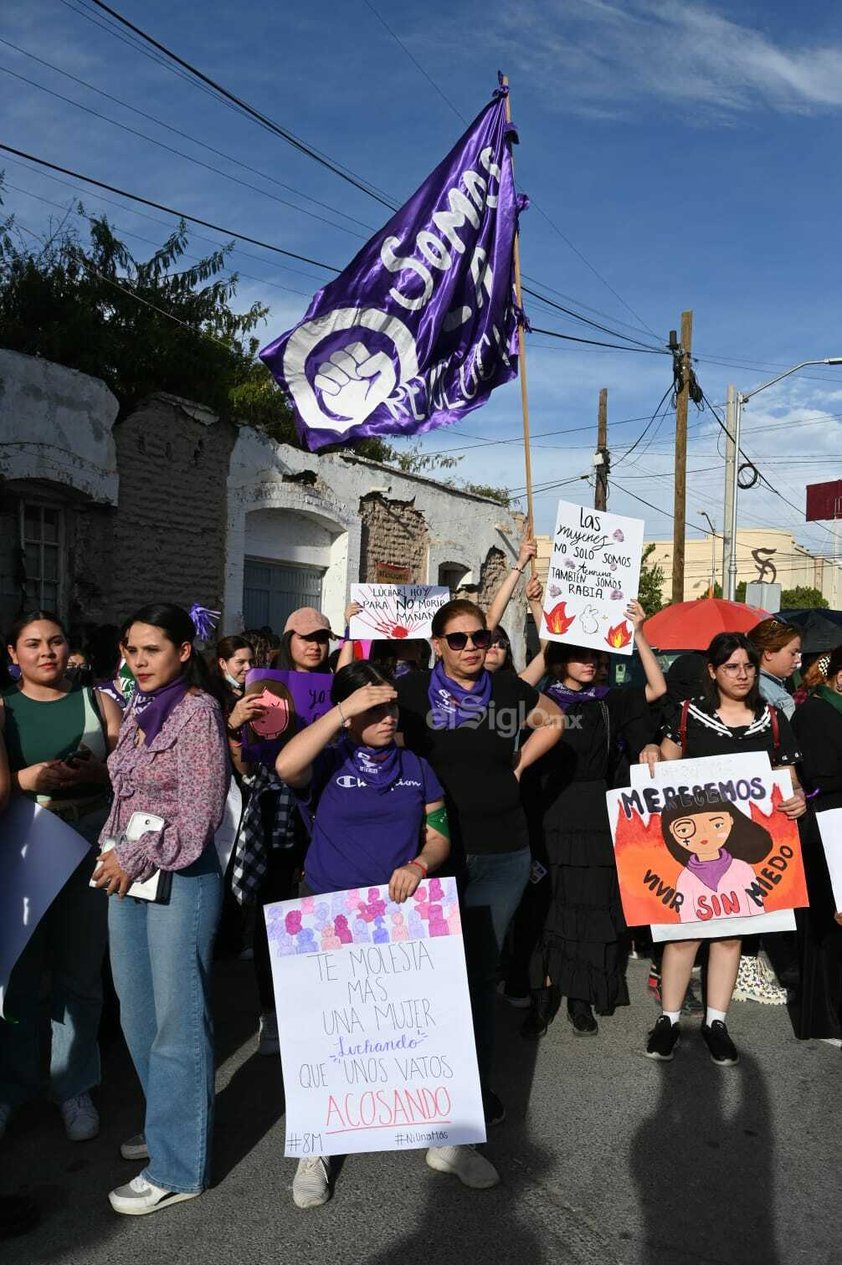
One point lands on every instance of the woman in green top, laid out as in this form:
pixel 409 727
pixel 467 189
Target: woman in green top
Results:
pixel 57 738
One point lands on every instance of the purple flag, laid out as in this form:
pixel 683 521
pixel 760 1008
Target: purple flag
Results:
pixel 422 325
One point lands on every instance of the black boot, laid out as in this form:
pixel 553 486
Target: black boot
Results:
pixel 544 1008
pixel 581 1016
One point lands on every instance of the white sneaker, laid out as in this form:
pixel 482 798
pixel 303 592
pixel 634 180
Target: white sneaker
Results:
pixel 135 1148
pixel 466 1163
pixel 6 1110
pixel 141 1197
pixel 81 1118
pixel 268 1042
pixel 311 1184
pixel 754 984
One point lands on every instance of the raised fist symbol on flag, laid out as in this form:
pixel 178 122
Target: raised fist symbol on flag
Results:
pixel 355 380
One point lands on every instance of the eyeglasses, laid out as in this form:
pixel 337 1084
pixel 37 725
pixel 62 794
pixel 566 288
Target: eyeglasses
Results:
pixel 480 639
pixel 735 669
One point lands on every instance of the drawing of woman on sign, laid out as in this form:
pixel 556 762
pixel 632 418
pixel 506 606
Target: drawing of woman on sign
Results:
pixel 717 845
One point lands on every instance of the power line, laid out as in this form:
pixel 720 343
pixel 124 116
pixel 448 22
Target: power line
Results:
pixel 177 131
pixel 160 206
pixel 245 107
pixel 592 342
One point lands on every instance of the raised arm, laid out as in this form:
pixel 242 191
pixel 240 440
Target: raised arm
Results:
pixel 656 682
pixel 295 760
pixel 497 609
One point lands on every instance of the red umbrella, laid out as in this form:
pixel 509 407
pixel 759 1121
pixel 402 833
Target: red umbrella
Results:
pixel 693 625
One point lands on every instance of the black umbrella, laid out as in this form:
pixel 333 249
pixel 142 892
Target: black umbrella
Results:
pixel 820 630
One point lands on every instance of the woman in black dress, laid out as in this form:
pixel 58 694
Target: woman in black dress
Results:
pixel 818 728
pixel 729 719
pixel 581 955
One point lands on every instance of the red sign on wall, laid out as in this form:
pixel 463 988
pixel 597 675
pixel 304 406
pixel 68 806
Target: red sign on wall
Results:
pixel 824 500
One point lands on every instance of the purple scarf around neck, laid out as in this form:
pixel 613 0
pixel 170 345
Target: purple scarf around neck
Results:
pixel 451 704
pixel 152 710
pixel 710 872
pixel 565 697
pixel 378 767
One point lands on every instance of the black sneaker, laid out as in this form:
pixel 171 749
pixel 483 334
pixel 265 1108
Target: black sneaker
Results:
pixel 545 1004
pixel 720 1046
pixel 582 1017
pixel 663 1039
pixel 495 1112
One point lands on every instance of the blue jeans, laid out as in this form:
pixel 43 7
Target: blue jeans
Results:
pixel 494 885
pixel 69 944
pixel 161 962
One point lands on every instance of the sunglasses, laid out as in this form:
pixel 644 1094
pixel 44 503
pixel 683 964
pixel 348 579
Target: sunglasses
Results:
pixel 502 643
pixel 480 639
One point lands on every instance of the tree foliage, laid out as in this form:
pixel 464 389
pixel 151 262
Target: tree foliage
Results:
pixel 650 590
pixel 803 598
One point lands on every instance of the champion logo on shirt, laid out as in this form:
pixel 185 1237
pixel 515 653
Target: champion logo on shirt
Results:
pixel 349 782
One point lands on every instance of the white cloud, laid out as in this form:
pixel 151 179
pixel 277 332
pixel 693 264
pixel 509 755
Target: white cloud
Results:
pixel 602 59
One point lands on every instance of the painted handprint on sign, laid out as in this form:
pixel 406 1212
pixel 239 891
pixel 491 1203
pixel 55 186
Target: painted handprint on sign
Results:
pixel 355 380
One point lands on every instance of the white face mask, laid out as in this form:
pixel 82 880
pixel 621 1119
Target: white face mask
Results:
pixel 233 682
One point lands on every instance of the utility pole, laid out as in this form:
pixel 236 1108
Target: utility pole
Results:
pixel 729 545
pixel 681 355
pixel 602 458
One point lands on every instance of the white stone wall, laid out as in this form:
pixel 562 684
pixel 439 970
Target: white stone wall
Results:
pixel 462 528
pixel 56 424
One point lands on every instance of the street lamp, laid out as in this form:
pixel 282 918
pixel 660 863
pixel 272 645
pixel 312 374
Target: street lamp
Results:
pixel 736 400
pixel 706 516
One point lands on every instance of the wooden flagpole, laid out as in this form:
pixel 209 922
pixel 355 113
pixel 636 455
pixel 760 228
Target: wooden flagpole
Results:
pixel 521 351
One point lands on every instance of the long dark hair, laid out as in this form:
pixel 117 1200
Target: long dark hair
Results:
pixel 32 617
pixel 177 627
pixel 354 676
pixel 718 652
pixel 748 840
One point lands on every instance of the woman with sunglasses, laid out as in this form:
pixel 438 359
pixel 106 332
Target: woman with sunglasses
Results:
pixel 730 718
pixel 465 721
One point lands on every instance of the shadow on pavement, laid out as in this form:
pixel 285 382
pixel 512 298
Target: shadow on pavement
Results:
pixel 704 1165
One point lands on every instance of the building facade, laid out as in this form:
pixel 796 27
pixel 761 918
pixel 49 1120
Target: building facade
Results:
pixel 100 513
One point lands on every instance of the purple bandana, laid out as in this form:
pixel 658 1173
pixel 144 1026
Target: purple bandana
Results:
pixel 710 872
pixel 152 710
pixel 451 705
pixel 378 767
pixel 566 697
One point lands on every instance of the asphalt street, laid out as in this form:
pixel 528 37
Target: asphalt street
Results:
pixel 605 1158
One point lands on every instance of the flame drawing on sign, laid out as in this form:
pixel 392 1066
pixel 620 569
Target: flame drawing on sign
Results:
pixel 618 636
pixel 557 620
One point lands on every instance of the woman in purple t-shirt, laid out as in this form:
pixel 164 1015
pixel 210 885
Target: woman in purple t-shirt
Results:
pixel 369 804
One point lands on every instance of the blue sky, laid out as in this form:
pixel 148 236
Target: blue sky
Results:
pixel 685 153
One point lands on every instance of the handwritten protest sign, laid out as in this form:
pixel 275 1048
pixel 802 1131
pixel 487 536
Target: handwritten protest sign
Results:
pixel 394 611
pixel 702 851
pixel 291 701
pixel 38 854
pixel 830 829
pixel 374 1021
pixel 594 571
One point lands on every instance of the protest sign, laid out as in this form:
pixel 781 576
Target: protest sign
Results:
pixel 374 1021
pixel 830 829
pixel 702 851
pixel 39 852
pixel 594 572
pixel 394 611
pixel 291 701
